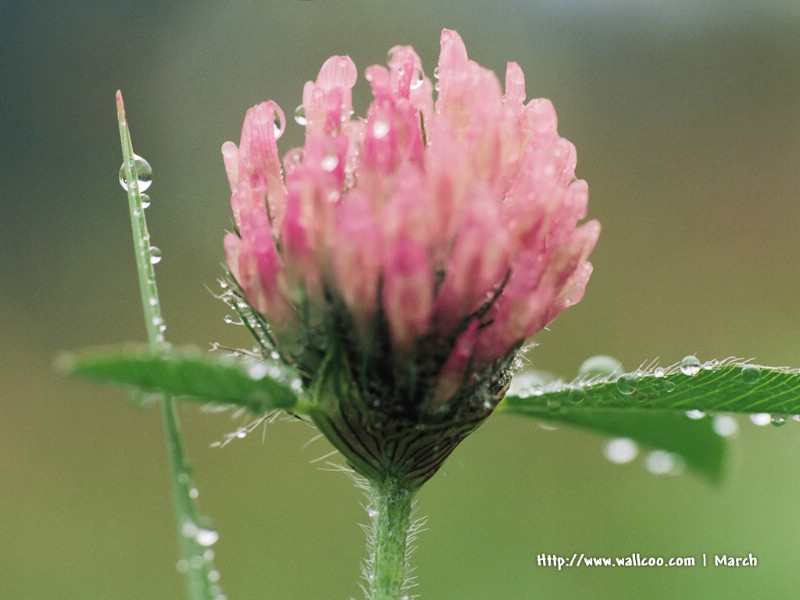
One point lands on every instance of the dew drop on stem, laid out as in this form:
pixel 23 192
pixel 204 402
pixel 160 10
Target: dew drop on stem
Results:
pixel 144 174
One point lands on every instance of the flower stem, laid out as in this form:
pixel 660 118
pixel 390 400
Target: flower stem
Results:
pixel 390 509
pixel 193 539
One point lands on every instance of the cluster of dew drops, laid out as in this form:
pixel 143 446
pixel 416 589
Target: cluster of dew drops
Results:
pixel 144 178
pixel 625 450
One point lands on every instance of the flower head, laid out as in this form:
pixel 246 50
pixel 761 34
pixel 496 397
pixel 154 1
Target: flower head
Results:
pixel 402 259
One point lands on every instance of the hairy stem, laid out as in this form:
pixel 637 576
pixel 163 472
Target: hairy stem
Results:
pixel 390 510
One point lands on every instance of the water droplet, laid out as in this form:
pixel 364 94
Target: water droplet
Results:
pixel 189 529
pixel 296 384
pixel 213 576
pixel 690 365
pixel 577 395
pixel 241 433
pixel 659 372
pixel 300 115
pixel 330 162
pixel 778 420
pixel 278 125
pixel 182 566
pixel 194 493
pixel 710 365
pixel 725 425
pixel 372 512
pixel 144 174
pixel 228 319
pixel 487 405
pixel 621 450
pixel 750 373
pixel 145 200
pixel 553 404
pixel 258 371
pixel 669 386
pixel 436 73
pixel 206 537
pixel 417 80
pixel 380 129
pixel 660 462
pixel 155 255
pixel 600 366
pixel 695 414
pixel 626 384
pixel 153 301
pixel 761 419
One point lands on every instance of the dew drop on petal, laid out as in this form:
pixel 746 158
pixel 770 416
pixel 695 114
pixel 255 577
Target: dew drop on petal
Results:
pixel 750 374
pixel 725 425
pixel 380 129
pixel 330 162
pixel 761 419
pixel 690 365
pixel 155 255
pixel 621 450
pixel 300 115
pixel 144 174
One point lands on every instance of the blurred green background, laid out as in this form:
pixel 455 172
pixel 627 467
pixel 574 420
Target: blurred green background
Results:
pixel 687 123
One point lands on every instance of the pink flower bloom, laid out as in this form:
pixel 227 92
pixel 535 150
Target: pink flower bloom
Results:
pixel 421 245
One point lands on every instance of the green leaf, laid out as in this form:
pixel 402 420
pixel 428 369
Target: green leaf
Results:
pixel 260 388
pixel 650 405
pixel 693 440
pixel 727 386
